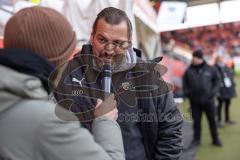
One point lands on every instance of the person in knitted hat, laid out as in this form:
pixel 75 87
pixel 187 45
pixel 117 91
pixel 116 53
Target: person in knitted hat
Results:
pixel 30 126
pixel 201 85
pixel 44 32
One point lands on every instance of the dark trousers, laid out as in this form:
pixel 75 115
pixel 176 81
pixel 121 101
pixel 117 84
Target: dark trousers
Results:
pixel 221 102
pixel 197 110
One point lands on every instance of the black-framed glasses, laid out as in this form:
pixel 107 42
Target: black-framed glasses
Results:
pixel 111 45
pixel 122 45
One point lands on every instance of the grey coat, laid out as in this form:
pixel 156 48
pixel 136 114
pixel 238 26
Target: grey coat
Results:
pixel 30 128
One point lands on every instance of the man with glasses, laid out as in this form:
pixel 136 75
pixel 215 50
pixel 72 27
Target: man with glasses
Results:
pixel 159 137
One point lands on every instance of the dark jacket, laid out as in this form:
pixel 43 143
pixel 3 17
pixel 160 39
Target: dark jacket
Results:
pixel 162 134
pixel 201 83
pixel 225 91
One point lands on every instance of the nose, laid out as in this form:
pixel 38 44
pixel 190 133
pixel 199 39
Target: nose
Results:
pixel 110 46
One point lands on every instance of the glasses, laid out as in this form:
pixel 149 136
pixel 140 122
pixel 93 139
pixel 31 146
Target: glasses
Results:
pixel 113 45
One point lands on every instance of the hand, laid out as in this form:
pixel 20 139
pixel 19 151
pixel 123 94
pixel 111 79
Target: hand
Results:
pixel 106 108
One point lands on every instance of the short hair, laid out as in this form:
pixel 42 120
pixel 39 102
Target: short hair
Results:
pixel 198 54
pixel 113 16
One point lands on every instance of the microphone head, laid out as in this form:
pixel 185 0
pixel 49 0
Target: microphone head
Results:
pixel 107 79
pixel 106 70
pixel 106 67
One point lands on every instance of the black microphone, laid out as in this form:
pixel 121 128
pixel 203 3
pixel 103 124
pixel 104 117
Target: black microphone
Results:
pixel 107 79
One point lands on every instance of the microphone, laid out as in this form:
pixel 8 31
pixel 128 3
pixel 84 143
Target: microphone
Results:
pixel 107 79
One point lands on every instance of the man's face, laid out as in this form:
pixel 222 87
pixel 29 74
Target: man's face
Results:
pixel 196 60
pixel 109 42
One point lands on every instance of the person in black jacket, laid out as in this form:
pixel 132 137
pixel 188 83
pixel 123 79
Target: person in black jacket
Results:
pixel 227 90
pixel 200 85
pixel 150 122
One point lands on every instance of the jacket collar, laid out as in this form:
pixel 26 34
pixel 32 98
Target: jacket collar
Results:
pixel 129 63
pixel 27 62
pixel 16 86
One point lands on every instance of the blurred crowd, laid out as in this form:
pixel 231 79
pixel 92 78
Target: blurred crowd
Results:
pixel 215 39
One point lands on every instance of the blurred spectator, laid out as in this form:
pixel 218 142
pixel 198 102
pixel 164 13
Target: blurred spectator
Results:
pixel 227 90
pixel 200 85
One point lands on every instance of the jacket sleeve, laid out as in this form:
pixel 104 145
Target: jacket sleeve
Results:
pixel 67 140
pixel 185 85
pixel 169 144
pixel 216 82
